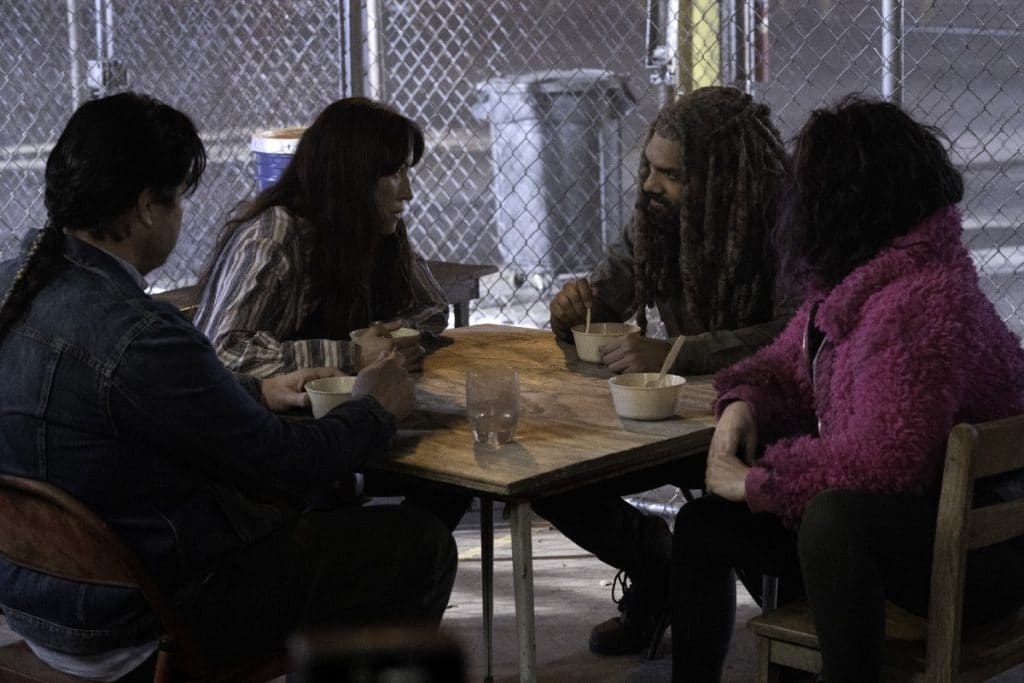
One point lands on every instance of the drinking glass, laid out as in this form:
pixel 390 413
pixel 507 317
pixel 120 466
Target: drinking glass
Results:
pixel 492 404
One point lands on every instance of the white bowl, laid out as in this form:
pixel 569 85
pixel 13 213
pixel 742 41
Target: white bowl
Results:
pixel 354 335
pixel 327 392
pixel 636 401
pixel 588 344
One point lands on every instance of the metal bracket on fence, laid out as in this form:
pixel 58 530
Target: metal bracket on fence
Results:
pixel 105 76
pixel 662 45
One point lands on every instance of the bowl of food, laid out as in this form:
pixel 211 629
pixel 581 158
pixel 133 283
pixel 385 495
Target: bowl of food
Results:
pixel 588 344
pixel 327 392
pixel 639 396
pixel 354 335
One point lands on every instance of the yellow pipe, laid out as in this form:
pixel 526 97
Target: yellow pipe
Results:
pixel 699 55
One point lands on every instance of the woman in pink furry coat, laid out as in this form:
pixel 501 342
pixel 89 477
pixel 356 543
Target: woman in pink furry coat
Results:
pixel 828 452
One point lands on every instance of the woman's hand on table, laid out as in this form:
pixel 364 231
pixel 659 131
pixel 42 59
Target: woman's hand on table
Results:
pixel 635 353
pixel 285 392
pixel 387 381
pixel 377 340
pixel 735 437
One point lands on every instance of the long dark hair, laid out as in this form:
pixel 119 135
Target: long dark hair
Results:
pixel 733 166
pixel 330 182
pixel 864 173
pixel 110 151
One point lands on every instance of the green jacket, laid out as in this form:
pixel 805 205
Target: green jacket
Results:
pixel 704 352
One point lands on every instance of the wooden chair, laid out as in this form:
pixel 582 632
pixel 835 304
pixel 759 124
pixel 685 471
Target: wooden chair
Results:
pixel 44 529
pixel 184 298
pixel 938 648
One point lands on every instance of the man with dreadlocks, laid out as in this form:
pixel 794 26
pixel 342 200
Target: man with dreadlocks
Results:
pixel 697 248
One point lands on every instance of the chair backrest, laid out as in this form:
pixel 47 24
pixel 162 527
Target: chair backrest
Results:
pixel 973 452
pixel 184 298
pixel 44 529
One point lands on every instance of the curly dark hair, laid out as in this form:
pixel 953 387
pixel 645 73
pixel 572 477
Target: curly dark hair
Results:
pixel 864 173
pixel 111 150
pixel 734 163
pixel 330 182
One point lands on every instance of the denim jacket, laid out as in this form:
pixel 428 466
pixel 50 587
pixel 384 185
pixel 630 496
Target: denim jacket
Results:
pixel 117 399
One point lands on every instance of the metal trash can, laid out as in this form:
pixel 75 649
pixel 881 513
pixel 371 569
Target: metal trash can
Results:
pixel 272 152
pixel 556 149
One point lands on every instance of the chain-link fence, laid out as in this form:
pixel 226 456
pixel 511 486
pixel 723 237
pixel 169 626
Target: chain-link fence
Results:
pixel 535 109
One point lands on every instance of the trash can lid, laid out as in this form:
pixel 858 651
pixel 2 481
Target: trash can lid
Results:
pixel 513 97
pixel 277 141
pixel 555 80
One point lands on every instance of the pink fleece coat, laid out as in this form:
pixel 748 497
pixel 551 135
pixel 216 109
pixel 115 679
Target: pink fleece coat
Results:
pixel 912 347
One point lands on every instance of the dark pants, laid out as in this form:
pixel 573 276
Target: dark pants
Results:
pixel 350 566
pixel 714 541
pixel 599 521
pixel 859 549
pixel 854 550
pixel 446 504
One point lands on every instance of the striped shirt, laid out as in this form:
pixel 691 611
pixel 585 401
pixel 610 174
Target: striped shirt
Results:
pixel 259 295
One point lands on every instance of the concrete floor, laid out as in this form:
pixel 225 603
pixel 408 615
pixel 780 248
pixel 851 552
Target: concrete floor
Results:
pixel 572 592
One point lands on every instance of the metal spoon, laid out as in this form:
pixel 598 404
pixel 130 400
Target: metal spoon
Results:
pixel 587 330
pixel 669 360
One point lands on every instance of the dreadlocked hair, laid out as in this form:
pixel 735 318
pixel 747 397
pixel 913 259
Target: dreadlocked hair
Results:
pixel 733 165
pixel 44 259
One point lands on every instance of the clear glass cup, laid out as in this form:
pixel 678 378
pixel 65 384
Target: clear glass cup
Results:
pixel 492 404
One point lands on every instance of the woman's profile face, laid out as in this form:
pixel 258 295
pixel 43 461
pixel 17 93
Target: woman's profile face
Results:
pixel 391 195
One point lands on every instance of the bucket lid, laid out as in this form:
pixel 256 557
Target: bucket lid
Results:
pixel 277 141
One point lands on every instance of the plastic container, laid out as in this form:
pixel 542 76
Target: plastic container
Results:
pixel 588 344
pixel 636 401
pixel 272 152
pixel 329 392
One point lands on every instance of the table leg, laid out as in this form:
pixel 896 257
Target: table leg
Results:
pixel 769 592
pixel 461 310
pixel 522 565
pixel 487 579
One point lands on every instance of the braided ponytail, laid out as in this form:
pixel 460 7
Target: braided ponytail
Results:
pixel 111 150
pixel 44 258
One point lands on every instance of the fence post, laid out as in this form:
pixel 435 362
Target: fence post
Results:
pixel 360 29
pixel 74 69
pixel 892 51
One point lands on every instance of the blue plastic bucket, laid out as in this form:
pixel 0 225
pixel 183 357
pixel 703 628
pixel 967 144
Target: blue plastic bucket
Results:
pixel 273 151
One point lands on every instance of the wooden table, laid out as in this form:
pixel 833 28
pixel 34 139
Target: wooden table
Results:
pixel 459 281
pixel 568 436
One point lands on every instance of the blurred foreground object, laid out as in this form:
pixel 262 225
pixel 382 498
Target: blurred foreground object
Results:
pixel 375 655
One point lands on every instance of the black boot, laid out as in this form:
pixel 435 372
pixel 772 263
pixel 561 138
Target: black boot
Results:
pixel 643 617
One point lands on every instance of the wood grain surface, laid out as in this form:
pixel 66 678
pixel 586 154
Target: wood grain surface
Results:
pixel 568 433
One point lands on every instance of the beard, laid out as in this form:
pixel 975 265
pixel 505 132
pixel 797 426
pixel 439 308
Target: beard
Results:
pixel 662 216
